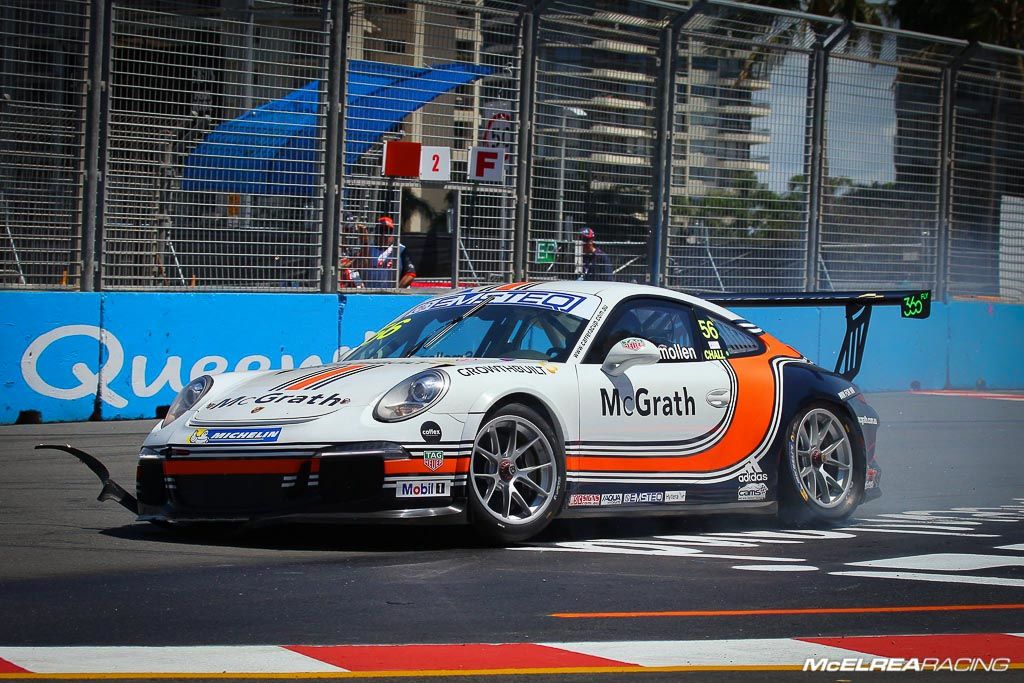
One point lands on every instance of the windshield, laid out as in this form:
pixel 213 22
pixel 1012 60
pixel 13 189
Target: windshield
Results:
pixel 493 331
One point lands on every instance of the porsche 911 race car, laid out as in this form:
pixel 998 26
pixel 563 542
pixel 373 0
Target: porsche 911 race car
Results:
pixel 509 405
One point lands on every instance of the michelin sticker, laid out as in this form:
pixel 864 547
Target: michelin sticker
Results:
pixel 215 436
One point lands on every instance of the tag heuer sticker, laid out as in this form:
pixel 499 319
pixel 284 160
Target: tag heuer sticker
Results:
pixel 433 460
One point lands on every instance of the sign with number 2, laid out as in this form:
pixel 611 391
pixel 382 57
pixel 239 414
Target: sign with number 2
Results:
pixel 436 163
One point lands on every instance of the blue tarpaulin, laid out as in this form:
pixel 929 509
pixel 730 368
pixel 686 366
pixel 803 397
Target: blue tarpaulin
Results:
pixel 273 149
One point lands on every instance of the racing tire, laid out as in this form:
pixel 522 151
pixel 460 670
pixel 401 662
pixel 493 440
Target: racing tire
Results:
pixel 516 475
pixel 823 466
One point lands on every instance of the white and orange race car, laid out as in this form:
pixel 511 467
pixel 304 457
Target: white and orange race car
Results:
pixel 509 405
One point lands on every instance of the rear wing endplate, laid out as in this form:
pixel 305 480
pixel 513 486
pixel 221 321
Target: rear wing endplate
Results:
pixel 915 304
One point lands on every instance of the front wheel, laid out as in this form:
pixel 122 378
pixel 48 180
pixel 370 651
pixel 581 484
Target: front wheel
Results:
pixel 823 476
pixel 516 475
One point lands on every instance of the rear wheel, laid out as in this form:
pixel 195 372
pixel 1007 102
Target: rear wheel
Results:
pixel 516 475
pixel 823 476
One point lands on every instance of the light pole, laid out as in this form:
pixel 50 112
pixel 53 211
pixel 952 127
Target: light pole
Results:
pixel 566 111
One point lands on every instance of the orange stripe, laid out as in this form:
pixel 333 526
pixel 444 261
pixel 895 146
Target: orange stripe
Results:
pixel 321 376
pixel 451 465
pixel 755 392
pixel 247 466
pixel 772 612
pixel 510 286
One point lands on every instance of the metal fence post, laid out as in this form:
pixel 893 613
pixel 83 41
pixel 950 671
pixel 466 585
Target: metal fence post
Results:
pixel 527 89
pixel 947 122
pixel 455 231
pixel 817 88
pixel 96 131
pixel 661 199
pixel 336 75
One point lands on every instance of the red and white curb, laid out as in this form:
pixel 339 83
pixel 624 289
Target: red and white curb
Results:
pixel 344 661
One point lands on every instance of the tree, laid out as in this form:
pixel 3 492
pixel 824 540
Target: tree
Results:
pixel 994 21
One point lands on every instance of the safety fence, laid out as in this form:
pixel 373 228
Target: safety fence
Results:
pixel 711 146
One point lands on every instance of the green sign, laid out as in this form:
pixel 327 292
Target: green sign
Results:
pixel 917 305
pixel 546 251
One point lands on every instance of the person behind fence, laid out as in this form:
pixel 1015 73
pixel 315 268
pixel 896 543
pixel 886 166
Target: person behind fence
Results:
pixel 353 241
pixel 596 264
pixel 386 259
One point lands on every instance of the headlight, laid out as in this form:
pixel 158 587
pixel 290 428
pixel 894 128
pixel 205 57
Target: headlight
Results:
pixel 187 398
pixel 411 396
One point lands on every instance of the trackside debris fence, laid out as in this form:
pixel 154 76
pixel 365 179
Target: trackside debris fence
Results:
pixel 712 146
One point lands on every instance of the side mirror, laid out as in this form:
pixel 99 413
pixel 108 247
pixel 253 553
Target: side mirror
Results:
pixel 629 352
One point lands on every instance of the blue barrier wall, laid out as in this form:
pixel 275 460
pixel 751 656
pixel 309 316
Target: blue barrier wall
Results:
pixel 76 356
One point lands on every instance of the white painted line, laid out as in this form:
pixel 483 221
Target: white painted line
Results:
pixel 971 394
pixel 916 532
pixel 183 660
pixel 949 562
pixel 754 540
pixel 911 525
pixel 918 519
pixel 937 578
pixel 754 652
pixel 1014 546
pixel 797 535
pixel 776 567
pixel 648 548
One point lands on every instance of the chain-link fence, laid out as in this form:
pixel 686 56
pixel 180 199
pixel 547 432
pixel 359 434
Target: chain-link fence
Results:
pixel 43 46
pixel 710 146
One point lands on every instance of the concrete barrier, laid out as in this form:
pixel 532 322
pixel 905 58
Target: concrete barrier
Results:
pixel 79 356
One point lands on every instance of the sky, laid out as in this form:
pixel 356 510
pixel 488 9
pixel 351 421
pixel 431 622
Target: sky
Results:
pixel 861 121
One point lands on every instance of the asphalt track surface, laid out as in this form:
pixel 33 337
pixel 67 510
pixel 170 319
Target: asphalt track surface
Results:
pixel 75 571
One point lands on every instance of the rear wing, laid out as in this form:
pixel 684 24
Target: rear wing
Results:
pixel 916 304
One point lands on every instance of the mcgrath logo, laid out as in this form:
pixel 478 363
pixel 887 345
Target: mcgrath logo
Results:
pixel 642 403
pixel 751 473
pixel 431 432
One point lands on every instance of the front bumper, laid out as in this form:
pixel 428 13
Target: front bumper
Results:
pixel 363 481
